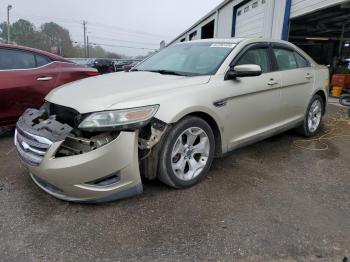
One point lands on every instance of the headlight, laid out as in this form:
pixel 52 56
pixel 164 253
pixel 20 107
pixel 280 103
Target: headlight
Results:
pixel 119 119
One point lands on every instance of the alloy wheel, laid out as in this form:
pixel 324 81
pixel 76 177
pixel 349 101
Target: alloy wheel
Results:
pixel 190 153
pixel 315 115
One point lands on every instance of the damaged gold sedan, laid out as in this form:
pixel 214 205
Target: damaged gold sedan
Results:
pixel 75 165
pixel 93 139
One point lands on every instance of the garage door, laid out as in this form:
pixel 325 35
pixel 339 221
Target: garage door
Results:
pixel 250 19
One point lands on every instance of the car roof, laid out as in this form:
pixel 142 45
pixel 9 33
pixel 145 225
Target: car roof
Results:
pixel 221 40
pixel 235 40
pixel 37 51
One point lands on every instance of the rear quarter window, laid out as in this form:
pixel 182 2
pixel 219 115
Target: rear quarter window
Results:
pixel 42 60
pixel 302 62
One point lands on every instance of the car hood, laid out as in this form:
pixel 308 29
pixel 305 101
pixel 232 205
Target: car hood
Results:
pixel 107 91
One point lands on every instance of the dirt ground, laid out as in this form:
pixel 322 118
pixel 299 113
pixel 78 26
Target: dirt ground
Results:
pixel 270 201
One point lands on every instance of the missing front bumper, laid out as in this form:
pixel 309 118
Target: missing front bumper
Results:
pixel 69 178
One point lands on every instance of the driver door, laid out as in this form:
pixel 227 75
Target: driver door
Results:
pixel 252 104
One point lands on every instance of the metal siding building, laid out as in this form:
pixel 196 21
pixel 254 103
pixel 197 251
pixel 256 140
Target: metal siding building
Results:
pixel 253 18
pixel 302 7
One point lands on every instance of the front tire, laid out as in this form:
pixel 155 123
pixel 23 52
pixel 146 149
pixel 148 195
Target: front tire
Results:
pixel 313 118
pixel 187 153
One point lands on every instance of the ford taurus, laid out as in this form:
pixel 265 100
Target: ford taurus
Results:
pixel 92 140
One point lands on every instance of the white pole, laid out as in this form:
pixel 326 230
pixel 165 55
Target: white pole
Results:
pixel 9 7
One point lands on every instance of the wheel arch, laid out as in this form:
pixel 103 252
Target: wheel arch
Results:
pixel 214 127
pixel 323 95
pixel 205 113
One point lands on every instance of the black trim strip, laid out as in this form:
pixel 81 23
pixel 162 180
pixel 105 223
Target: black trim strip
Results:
pixel 220 103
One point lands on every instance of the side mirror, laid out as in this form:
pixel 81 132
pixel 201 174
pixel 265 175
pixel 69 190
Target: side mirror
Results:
pixel 243 71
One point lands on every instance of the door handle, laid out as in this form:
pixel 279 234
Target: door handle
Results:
pixel 272 82
pixel 45 78
pixel 309 76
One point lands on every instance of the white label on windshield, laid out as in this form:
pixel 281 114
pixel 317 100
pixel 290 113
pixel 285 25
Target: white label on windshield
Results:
pixel 223 45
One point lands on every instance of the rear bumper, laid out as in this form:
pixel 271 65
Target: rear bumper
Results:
pixel 78 178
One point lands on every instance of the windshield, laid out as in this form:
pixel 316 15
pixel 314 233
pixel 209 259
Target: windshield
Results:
pixel 189 59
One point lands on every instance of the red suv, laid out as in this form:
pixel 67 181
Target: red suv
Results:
pixel 27 75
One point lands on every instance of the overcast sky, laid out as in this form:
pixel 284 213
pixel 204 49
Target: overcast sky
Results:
pixel 132 23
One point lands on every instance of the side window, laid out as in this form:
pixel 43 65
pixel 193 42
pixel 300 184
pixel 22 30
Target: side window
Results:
pixel 285 59
pixel 302 62
pixel 256 56
pixel 16 59
pixel 42 60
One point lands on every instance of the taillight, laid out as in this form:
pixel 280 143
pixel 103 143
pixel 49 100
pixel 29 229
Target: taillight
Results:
pixel 92 73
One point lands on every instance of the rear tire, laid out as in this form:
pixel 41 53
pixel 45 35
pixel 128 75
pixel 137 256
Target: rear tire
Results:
pixel 187 153
pixel 313 118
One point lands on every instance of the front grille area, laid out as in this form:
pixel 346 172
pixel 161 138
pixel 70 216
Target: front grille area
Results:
pixel 31 148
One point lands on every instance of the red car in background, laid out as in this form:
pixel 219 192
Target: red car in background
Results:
pixel 27 75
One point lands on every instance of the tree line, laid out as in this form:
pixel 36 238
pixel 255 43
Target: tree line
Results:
pixel 50 37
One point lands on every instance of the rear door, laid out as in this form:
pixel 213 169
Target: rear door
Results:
pixel 45 76
pixel 25 79
pixel 297 81
pixel 70 72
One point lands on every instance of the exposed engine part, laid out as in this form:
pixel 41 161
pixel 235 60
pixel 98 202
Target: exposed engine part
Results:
pixel 150 140
pixel 64 115
pixel 76 142
pixel 154 139
pixel 152 134
pixel 35 132
pixel 74 145
pixel 38 122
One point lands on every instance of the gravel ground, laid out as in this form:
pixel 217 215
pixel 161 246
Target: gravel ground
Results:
pixel 270 201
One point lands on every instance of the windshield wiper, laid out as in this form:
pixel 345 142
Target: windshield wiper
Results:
pixel 167 72
pixel 161 71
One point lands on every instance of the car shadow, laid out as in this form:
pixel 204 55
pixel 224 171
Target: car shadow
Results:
pixel 6 132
